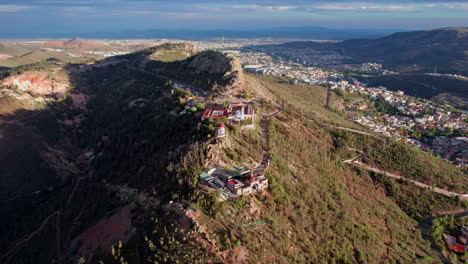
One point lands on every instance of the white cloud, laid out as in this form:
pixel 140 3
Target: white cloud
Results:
pixel 67 2
pixel 263 8
pixel 362 7
pixel 13 8
pixel 385 7
pixel 79 9
pixel 448 5
pixel 141 12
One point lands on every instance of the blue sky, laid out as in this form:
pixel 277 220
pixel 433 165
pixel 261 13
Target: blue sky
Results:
pixel 115 15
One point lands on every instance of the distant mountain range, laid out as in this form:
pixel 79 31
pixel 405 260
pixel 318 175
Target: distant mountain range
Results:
pixel 308 32
pixel 446 48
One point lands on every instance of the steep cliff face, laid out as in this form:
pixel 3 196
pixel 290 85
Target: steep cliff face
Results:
pixel 226 66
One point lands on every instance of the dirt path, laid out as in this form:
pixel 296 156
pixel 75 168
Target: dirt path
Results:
pixel 10 253
pixel 266 136
pixel 341 128
pixel 421 185
pixel 13 250
pixel 357 131
pixel 360 156
pixel 425 224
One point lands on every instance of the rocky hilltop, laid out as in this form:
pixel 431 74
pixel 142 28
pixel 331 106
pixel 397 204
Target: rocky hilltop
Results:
pixel 213 71
pixel 172 51
pixel 215 63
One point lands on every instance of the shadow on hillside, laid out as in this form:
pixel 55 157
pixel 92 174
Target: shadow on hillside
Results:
pixel 129 134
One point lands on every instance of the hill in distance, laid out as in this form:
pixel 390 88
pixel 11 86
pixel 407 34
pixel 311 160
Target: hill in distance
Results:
pixel 37 56
pixel 75 43
pixel 445 47
pixel 13 49
pixel 17 54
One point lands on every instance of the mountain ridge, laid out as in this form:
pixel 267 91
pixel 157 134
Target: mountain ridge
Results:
pixel 446 47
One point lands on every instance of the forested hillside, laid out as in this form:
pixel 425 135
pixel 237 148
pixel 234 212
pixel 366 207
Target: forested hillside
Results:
pixel 86 163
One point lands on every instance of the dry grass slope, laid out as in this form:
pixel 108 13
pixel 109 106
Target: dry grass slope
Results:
pixel 318 210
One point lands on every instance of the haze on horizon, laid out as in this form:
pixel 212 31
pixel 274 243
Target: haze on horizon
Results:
pixel 75 16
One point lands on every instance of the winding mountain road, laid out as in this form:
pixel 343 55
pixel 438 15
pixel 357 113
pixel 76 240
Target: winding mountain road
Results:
pixel 341 128
pixel 421 185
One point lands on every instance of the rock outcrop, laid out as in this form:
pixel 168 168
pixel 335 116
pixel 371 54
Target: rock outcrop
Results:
pixel 224 67
pixel 37 83
pixel 213 71
pixel 172 52
pixel 220 64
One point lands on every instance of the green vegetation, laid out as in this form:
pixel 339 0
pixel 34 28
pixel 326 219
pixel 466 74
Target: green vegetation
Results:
pixel 140 136
pixel 171 52
pixel 37 56
pixel 387 154
pixel 145 148
pixel 169 56
pixel 187 66
pixel 317 210
pixel 246 146
pixel 448 225
pixel 40 65
pixel 441 225
pixel 308 99
pixel 420 85
pixel 166 243
pixel 394 156
pixel 416 202
pixel 14 50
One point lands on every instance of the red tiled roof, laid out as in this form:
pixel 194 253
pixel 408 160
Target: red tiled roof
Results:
pixel 232 181
pixel 214 113
pixel 206 113
pixel 458 248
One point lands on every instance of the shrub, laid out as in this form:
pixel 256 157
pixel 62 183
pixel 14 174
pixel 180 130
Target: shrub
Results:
pixel 201 106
